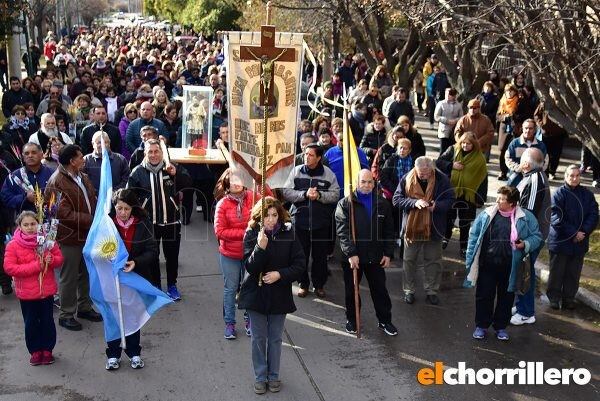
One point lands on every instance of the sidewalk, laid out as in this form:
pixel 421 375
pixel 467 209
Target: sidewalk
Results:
pixel 589 291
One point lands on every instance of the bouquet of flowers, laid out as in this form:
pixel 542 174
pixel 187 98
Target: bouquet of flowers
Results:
pixel 47 227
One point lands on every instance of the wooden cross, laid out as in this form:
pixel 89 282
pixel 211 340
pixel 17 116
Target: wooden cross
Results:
pixel 267 54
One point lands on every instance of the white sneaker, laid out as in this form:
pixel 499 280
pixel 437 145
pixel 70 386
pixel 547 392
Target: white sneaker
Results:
pixel 112 363
pixel 519 319
pixel 198 209
pixel 137 362
pixel 513 311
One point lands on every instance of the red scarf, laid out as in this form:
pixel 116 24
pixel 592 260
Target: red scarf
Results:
pixel 127 231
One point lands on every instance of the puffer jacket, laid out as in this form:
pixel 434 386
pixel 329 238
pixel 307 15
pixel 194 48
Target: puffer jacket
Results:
pixel 528 231
pixel 229 228
pixel 23 265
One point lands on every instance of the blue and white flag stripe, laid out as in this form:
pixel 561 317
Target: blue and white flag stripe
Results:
pixel 105 256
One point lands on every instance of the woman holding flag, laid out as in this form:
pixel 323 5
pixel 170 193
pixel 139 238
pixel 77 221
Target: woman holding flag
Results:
pixel 137 234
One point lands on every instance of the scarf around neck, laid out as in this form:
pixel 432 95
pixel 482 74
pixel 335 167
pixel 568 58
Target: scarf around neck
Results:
pixel 239 199
pixel 467 181
pixel 15 123
pixel 418 225
pixel 508 105
pixel 124 224
pixel 151 167
pixel 514 235
pixel 28 241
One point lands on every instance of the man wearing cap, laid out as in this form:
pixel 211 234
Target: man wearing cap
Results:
pixel 479 124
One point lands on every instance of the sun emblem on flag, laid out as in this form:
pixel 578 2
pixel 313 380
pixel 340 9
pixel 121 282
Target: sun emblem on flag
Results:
pixel 107 248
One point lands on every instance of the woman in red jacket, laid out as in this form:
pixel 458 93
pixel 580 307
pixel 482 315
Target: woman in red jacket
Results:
pixel 34 287
pixel 232 214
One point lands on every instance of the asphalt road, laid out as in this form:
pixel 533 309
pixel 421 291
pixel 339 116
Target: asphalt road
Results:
pixel 188 359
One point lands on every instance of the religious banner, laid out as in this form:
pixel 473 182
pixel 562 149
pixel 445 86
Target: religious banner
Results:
pixel 252 57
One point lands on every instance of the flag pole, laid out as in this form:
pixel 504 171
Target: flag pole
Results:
pixel 120 308
pixel 352 222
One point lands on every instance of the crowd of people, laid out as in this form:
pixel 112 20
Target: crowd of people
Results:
pixel 123 87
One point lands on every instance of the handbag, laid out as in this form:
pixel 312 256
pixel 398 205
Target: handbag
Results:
pixel 523 276
pixel 250 292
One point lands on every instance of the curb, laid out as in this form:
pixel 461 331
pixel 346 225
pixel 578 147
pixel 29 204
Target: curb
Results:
pixel 584 296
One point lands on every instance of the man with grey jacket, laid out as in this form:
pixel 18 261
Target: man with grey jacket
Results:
pixel 313 190
pixel 447 113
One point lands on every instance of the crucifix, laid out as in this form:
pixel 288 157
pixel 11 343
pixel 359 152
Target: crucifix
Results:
pixel 266 54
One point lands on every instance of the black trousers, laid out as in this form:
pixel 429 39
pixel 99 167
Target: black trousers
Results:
pixel 317 241
pixel 554 146
pixel 431 109
pixel 504 140
pixel 466 214
pixel 170 235
pixel 40 331
pixel 492 285
pixel 132 344
pixel 420 100
pixel 563 281
pixel 203 189
pixel 379 293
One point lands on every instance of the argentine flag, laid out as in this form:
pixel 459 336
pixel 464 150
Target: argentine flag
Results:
pixel 105 256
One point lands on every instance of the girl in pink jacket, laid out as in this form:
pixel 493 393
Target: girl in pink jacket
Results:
pixel 33 287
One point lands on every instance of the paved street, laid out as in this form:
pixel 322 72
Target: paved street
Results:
pixel 188 359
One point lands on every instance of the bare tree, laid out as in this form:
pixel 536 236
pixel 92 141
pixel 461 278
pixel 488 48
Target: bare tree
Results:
pixel 559 39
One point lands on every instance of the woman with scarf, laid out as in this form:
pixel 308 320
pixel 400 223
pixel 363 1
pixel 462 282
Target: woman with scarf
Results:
pixel 489 101
pixel 137 234
pixel 466 167
pixel 386 150
pixel 506 110
pixel 18 128
pixel 500 238
pixel 232 213
pixel 273 259
pixel 50 159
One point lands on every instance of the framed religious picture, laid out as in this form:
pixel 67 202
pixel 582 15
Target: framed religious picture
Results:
pixel 196 130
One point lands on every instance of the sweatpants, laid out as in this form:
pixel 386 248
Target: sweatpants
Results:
pixel 379 293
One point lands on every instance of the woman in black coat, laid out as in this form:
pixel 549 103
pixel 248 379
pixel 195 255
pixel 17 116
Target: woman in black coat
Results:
pixel 138 235
pixel 273 259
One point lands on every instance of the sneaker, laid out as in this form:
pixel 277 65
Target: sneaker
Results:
pixel 56 301
pixel 409 298
pixel 47 358
pixel 479 333
pixel 247 328
pixel 302 292
pixel 502 335
pixel 274 386
pixel 173 293
pixel 198 209
pixel 260 387
pixel 502 177
pixel 551 176
pixel 350 327
pixel 137 362
pixel 230 331
pixel 445 243
pixel 388 328
pixel 596 184
pixel 112 363
pixel 519 319
pixel 36 358
pixel 513 311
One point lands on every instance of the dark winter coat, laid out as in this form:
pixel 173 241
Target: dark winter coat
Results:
pixel 283 254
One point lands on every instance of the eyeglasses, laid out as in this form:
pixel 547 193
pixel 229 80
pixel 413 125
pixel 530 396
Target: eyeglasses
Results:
pixel 131 111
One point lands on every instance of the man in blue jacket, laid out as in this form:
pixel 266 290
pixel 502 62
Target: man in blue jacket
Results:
pixel 132 137
pixel 424 195
pixel 574 217
pixel 18 189
pixel 334 158
pixel 313 190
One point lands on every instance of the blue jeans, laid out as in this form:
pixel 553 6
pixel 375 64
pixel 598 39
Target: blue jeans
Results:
pixel 526 303
pixel 232 270
pixel 267 331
